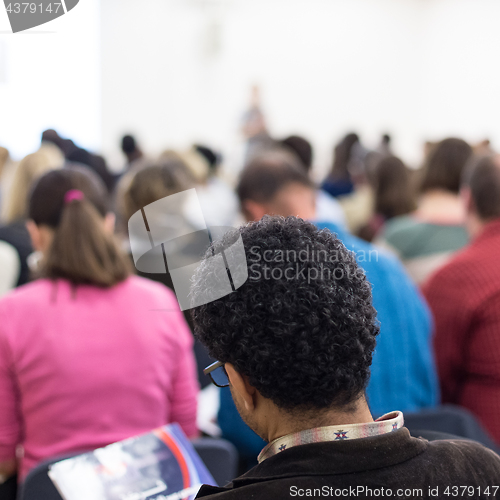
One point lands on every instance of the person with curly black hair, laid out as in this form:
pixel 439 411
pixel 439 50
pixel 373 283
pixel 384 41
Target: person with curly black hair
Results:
pixel 403 373
pixel 294 344
pixel 287 341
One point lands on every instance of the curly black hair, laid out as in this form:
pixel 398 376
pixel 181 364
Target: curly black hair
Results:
pixel 302 328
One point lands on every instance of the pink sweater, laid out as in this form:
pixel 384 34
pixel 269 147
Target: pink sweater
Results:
pixel 82 368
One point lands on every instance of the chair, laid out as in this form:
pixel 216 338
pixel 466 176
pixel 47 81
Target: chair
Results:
pixel 8 490
pixel 449 419
pixel 38 485
pixel 220 457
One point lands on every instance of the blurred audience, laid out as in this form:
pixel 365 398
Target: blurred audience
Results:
pixel 427 238
pixel 302 148
pixel 131 150
pixel 75 154
pixel 259 142
pixel 218 202
pixel 393 192
pixel 4 163
pixel 483 148
pixel 351 157
pixel 10 263
pixel 298 372
pixel 464 296
pixel 83 360
pixel 385 148
pixel 4 158
pixel 165 177
pixel 25 173
pixel 14 232
pixel 217 198
pixel 82 365
pixel 338 181
pixel 10 267
pixel 254 128
pixel 53 153
pixel 403 372
pixel 328 209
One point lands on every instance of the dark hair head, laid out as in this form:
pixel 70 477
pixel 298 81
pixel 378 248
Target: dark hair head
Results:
pixel 213 159
pixel 50 135
pixel 445 164
pixel 269 173
pixel 482 177
pixel 81 251
pixel 67 146
pixel 129 144
pixel 393 188
pixel 342 156
pixel 304 336
pixel 301 147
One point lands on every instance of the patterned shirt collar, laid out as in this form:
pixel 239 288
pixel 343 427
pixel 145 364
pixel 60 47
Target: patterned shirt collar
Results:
pixel 388 423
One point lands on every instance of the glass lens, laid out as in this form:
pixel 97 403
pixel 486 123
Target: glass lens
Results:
pixel 219 376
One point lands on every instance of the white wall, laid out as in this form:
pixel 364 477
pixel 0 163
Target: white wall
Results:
pixel 461 69
pixel 420 69
pixel 175 71
pixel 50 78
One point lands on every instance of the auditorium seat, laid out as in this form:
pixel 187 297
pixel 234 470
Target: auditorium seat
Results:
pixel 219 455
pixel 449 419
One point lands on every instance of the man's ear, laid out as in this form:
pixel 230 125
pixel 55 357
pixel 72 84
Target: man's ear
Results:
pixel 239 384
pixel 253 211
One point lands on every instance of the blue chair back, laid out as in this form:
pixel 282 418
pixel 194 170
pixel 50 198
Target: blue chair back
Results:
pixel 220 457
pixel 449 419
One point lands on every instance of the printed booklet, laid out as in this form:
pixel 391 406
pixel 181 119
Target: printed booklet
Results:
pixel 159 465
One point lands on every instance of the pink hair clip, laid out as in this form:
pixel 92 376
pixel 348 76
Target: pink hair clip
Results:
pixel 73 194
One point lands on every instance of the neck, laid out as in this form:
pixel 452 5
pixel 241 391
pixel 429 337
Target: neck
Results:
pixel 284 423
pixel 441 206
pixel 476 225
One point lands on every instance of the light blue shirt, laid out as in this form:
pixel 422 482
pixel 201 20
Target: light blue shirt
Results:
pixel 403 372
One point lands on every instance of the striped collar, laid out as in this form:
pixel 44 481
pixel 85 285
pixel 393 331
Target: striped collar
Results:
pixel 388 423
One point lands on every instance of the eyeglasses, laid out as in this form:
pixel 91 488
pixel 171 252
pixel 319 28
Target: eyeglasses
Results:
pixel 217 374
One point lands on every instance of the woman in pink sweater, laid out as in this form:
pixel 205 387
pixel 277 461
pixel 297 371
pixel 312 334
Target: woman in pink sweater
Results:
pixel 89 355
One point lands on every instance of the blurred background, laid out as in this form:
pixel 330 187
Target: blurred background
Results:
pixel 174 72
pixel 374 119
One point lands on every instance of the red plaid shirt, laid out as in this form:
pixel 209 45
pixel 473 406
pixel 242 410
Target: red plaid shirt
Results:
pixel 464 296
